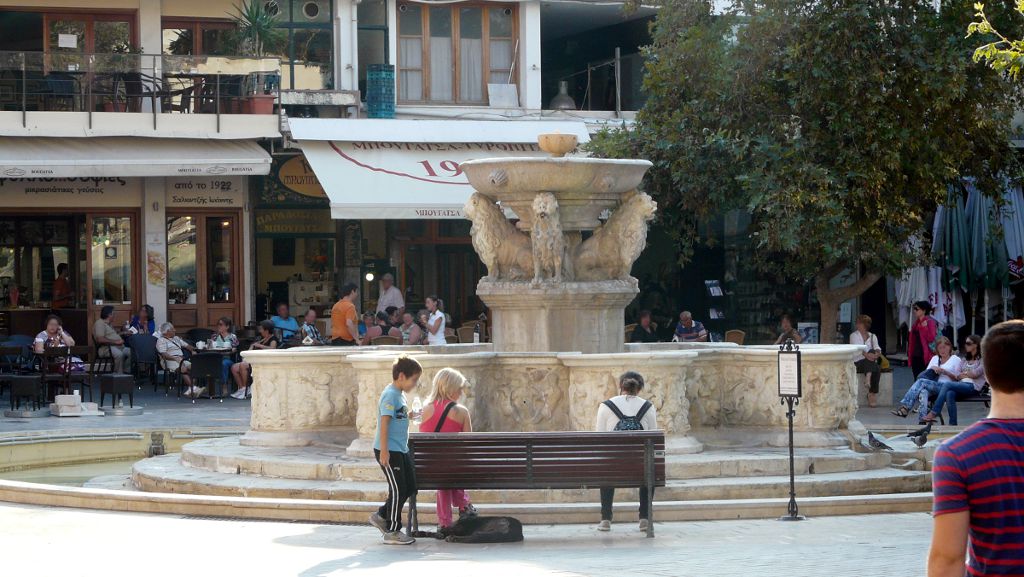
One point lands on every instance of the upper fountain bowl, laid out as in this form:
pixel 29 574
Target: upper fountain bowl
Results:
pixel 584 187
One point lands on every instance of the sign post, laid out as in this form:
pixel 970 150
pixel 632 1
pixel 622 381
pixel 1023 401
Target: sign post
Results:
pixel 790 390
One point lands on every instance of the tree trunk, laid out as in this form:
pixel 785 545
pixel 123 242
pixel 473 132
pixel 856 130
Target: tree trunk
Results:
pixel 830 298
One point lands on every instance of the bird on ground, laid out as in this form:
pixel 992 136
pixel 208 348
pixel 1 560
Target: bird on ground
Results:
pixel 920 436
pixel 876 443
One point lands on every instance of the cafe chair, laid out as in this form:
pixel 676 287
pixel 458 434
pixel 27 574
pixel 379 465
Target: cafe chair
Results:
pixel 26 387
pixel 465 334
pixel 81 380
pixel 735 336
pixel 199 334
pixel 385 340
pixel 10 363
pixel 629 331
pixel 54 363
pixel 145 358
pixel 117 385
pixel 206 372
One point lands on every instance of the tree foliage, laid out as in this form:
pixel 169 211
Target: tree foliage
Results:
pixel 837 124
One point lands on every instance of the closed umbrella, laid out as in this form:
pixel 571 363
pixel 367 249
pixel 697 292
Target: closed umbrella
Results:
pixel 954 258
pixel 986 250
pixel 1012 219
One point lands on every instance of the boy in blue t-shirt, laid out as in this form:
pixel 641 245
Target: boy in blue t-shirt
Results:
pixel 391 448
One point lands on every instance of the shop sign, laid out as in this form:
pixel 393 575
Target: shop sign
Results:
pixel 211 192
pixel 297 176
pixel 294 222
pixel 83 192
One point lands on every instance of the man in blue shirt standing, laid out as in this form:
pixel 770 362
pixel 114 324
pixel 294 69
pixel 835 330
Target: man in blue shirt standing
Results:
pixel 284 322
pixel 391 448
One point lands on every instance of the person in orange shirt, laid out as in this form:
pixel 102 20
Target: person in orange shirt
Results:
pixel 62 291
pixel 344 319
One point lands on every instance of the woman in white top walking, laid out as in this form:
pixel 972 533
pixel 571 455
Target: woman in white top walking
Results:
pixel 626 412
pixel 435 322
pixel 868 362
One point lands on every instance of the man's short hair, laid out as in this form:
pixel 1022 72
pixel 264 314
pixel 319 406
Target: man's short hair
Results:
pixel 390 310
pixel 1001 350
pixel 61 267
pixel 388 276
pixel 106 311
pixel 165 327
pixel 405 365
pixel 281 304
pixel 686 315
pixel 348 289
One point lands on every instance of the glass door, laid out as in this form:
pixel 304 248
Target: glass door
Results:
pixel 202 269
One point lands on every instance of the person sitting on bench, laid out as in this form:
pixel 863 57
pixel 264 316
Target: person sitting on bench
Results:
pixel 612 416
pixel 970 381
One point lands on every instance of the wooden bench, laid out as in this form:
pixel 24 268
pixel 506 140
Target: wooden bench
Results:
pixel 542 461
pixel 983 396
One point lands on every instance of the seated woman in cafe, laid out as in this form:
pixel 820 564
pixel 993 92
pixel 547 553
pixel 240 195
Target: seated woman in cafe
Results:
pixel 171 349
pixel 411 332
pixel 224 341
pixel 376 326
pixel 54 336
pixel 143 322
pixel 242 370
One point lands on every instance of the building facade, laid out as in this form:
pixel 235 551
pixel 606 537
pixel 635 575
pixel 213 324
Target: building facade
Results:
pixel 167 162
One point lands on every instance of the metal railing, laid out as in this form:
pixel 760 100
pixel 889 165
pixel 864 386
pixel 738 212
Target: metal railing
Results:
pixel 143 83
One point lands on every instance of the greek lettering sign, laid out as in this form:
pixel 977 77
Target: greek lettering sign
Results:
pixel 210 192
pixel 283 222
pixel 82 192
pixel 789 373
pixel 296 175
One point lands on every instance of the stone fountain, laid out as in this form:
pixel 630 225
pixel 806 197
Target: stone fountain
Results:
pixel 558 281
pixel 546 287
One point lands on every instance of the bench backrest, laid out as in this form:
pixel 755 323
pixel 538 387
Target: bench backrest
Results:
pixel 563 460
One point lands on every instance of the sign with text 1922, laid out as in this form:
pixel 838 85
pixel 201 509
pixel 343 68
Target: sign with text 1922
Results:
pixel 789 372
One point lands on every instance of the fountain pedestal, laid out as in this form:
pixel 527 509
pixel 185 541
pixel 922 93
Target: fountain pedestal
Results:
pixel 586 317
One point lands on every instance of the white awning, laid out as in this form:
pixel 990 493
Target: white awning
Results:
pixel 41 157
pixel 406 169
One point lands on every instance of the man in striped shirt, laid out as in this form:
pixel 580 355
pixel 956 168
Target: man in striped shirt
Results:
pixel 978 475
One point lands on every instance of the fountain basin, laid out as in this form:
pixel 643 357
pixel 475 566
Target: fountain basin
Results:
pixel 584 187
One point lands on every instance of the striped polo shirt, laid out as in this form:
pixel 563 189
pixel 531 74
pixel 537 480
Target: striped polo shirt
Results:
pixel 981 470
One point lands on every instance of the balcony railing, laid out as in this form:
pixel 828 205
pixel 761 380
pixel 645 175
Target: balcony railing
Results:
pixel 141 83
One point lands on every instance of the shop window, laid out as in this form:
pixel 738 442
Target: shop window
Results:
pixel 181 259
pixel 111 260
pixel 194 37
pixel 218 261
pixel 21 32
pixel 450 53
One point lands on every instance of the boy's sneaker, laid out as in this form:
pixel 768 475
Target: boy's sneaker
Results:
pixel 644 524
pixel 604 525
pixel 468 511
pixel 398 538
pixel 379 522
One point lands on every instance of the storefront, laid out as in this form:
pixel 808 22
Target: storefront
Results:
pixel 128 229
pixel 397 190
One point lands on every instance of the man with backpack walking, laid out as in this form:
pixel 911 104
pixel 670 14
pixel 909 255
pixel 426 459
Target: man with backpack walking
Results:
pixel 626 412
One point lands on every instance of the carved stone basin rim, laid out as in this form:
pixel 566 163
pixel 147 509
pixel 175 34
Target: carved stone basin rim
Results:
pixel 493 176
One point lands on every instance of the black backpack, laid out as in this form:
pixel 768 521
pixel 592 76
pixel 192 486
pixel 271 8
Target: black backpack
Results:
pixel 629 423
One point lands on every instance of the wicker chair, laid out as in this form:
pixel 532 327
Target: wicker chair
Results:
pixel 385 340
pixel 735 336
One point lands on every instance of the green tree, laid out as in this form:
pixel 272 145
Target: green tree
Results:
pixel 838 124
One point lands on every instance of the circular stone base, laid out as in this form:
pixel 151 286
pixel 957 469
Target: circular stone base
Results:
pixel 27 414
pixel 122 412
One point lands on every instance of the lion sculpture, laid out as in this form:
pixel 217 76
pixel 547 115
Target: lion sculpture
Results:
pixel 610 252
pixel 504 250
pixel 549 253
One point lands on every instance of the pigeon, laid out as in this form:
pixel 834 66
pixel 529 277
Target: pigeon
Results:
pixel 876 444
pixel 920 436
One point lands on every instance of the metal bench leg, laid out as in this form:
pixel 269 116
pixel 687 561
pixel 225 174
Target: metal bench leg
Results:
pixel 414 523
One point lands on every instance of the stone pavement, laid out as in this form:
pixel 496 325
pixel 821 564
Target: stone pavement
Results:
pixel 51 541
pixel 161 412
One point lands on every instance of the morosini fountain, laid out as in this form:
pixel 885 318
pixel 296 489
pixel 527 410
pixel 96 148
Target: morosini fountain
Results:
pixel 556 300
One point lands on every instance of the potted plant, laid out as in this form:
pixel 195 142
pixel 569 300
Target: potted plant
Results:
pixel 256 35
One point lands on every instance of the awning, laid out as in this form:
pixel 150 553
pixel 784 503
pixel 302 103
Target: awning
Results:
pixel 41 157
pixel 406 169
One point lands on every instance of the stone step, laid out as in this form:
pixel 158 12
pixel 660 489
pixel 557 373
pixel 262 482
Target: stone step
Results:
pixel 169 475
pixel 226 455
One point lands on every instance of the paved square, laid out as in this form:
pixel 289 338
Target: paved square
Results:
pixel 45 542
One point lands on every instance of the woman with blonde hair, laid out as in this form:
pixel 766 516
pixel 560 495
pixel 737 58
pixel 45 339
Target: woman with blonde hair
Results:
pixel 444 414
pixel 944 367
